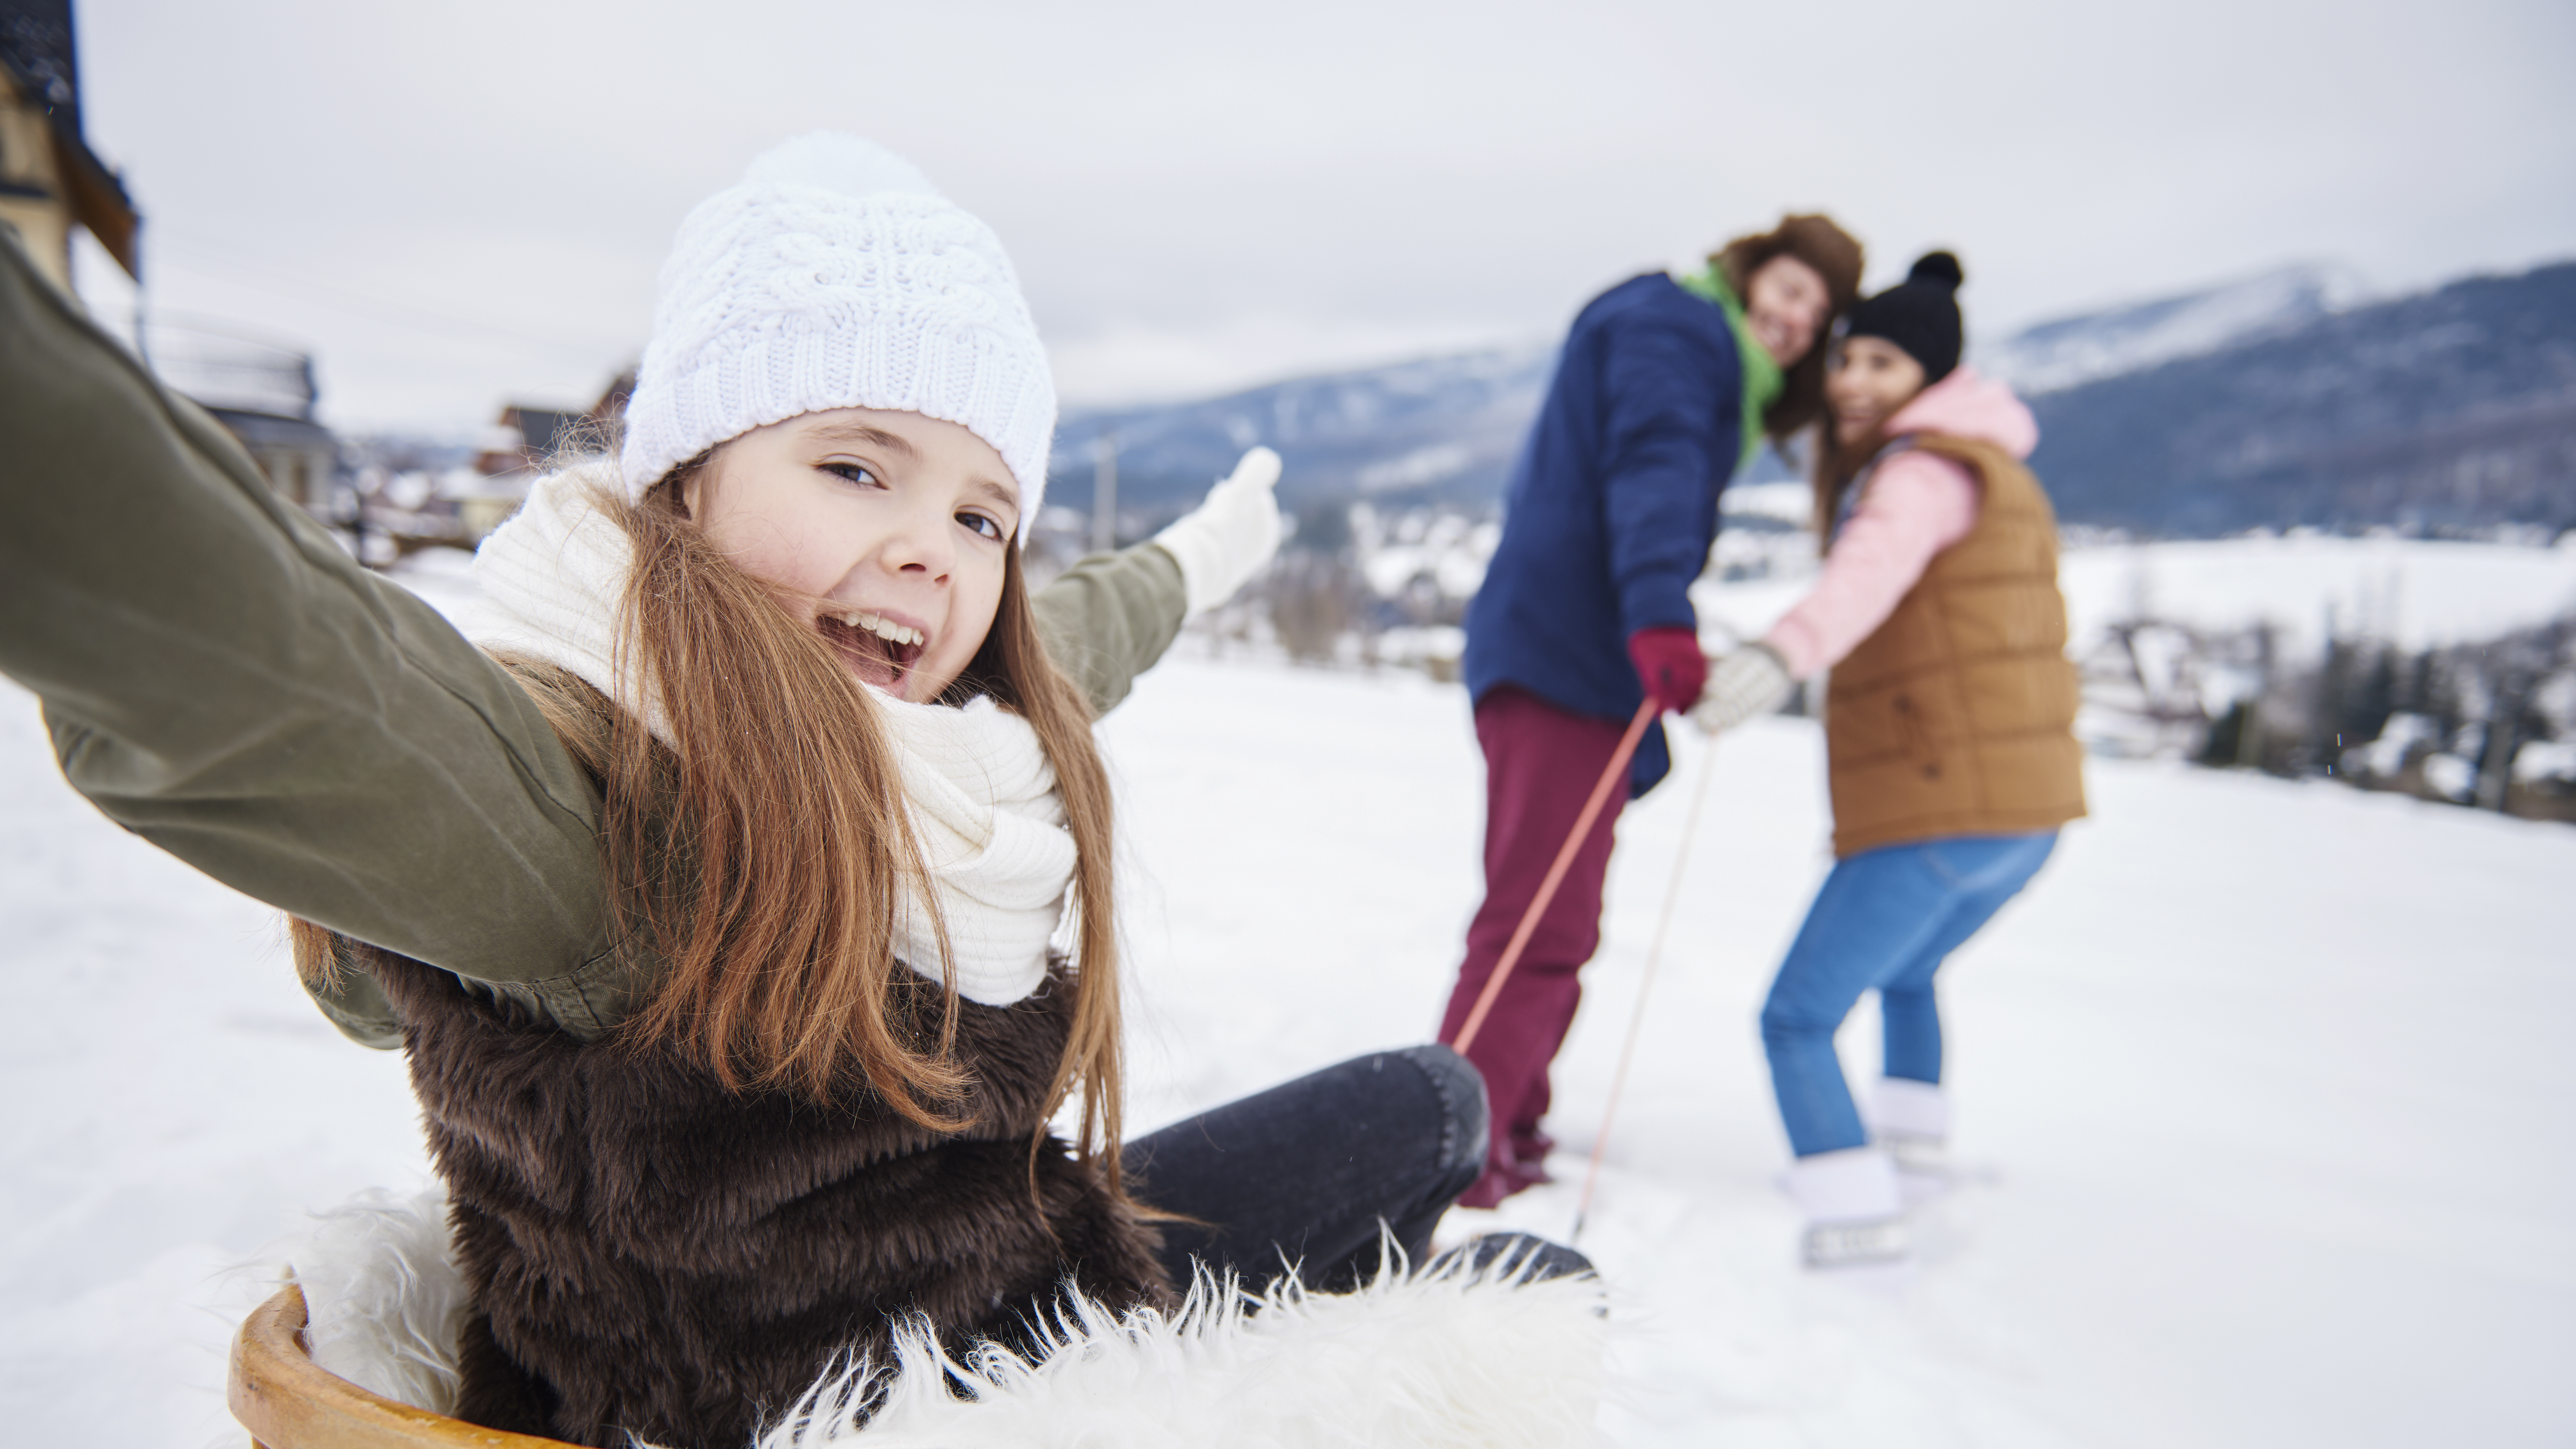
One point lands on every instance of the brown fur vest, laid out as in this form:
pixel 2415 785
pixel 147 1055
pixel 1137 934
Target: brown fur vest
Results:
pixel 1957 716
pixel 650 1253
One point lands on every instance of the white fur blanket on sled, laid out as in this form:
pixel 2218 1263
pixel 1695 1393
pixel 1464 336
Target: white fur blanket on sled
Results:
pixel 1447 1357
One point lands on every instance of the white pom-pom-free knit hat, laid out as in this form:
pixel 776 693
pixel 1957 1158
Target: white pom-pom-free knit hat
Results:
pixel 834 275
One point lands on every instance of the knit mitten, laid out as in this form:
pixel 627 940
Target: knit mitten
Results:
pixel 1669 664
pixel 1225 541
pixel 1855 1214
pixel 1747 683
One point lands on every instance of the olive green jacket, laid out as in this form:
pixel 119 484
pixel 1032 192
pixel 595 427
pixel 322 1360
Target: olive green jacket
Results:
pixel 223 680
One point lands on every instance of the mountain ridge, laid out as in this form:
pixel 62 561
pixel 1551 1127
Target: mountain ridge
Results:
pixel 2450 412
pixel 2284 399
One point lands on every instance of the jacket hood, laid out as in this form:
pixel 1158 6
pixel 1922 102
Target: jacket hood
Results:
pixel 1967 405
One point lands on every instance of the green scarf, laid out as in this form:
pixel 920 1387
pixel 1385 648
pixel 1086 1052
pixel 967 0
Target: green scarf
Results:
pixel 1763 380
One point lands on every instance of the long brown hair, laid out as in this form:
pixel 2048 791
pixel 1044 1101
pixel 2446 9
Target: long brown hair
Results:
pixel 762 857
pixel 1837 466
pixel 1837 257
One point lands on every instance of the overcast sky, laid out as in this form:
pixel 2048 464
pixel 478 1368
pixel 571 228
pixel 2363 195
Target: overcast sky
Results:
pixel 458 204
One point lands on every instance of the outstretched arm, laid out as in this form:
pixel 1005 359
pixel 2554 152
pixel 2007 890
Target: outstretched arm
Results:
pixel 1111 616
pixel 223 680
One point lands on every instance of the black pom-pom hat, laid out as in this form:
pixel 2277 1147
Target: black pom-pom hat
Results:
pixel 1919 315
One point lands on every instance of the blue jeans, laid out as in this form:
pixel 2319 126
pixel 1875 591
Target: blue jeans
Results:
pixel 1884 921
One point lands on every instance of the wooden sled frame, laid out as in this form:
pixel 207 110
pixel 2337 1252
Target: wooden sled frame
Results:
pixel 287 1401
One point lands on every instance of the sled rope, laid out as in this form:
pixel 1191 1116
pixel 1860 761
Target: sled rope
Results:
pixel 1611 777
pixel 1645 984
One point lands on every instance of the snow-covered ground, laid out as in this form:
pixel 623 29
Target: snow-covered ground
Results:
pixel 2263 1088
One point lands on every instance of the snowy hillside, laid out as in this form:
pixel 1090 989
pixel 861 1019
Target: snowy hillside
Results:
pixel 1444 426
pixel 2449 413
pixel 2281 401
pixel 2257 1089
pixel 2072 350
pixel 1450 425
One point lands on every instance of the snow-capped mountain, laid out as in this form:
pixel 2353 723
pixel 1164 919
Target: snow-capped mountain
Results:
pixel 2278 401
pixel 2451 412
pixel 1442 426
pixel 2074 350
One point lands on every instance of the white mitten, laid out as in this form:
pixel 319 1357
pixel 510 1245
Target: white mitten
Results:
pixel 1223 542
pixel 1750 681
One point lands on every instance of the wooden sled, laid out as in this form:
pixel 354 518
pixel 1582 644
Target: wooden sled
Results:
pixel 287 1401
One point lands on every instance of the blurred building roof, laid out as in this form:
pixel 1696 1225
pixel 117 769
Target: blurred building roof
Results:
pixel 541 428
pixel 37 52
pixel 223 369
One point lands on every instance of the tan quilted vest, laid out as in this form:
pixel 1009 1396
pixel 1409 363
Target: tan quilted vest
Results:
pixel 1957 717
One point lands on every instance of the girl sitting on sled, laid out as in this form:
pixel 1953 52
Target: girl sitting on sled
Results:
pixel 743 902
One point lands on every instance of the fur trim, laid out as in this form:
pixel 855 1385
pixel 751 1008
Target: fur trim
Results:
pixel 383 1298
pixel 1454 1354
pixel 1451 1355
pixel 651 1252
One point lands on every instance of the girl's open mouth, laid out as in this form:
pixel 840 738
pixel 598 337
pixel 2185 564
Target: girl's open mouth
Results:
pixel 879 650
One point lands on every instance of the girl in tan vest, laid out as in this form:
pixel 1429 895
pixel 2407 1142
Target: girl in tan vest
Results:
pixel 1948 727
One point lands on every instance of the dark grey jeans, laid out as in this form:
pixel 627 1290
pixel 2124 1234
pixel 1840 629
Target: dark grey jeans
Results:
pixel 1303 1174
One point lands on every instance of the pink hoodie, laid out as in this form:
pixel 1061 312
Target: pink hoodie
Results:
pixel 1915 505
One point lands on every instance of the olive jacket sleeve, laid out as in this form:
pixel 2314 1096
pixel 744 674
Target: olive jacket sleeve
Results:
pixel 222 679
pixel 1105 620
pixel 1110 617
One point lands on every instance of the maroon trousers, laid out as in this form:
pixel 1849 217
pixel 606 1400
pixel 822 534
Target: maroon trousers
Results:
pixel 1541 763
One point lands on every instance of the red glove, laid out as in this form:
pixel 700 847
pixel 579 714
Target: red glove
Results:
pixel 1670 665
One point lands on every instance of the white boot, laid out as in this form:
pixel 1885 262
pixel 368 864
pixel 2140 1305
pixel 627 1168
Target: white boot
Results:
pixel 1912 1121
pixel 1855 1215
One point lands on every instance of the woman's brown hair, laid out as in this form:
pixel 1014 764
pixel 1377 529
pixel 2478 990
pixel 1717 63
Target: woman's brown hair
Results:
pixel 1837 258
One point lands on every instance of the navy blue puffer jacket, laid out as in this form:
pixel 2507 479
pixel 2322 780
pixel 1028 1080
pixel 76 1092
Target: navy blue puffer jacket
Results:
pixel 1613 505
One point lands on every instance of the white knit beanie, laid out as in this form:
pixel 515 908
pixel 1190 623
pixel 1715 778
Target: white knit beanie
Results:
pixel 834 275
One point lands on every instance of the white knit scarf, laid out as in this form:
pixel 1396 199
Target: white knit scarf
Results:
pixel 983 798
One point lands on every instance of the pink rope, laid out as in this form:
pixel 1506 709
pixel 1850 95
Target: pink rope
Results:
pixel 1645 983
pixel 1615 775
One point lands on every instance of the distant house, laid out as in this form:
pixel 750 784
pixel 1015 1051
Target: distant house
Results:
pixel 527 437
pixel 519 447
pixel 299 456
pixel 50 181
pixel 263 393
